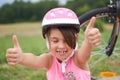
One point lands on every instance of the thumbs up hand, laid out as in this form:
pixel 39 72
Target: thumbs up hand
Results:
pixel 92 35
pixel 14 55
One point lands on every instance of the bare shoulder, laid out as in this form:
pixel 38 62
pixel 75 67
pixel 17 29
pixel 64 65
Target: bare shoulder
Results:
pixel 79 63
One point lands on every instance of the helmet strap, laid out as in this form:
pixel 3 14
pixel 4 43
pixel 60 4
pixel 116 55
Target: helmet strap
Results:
pixel 65 61
pixel 47 42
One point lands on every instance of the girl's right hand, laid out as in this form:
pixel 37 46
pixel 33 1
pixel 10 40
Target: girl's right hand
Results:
pixel 14 55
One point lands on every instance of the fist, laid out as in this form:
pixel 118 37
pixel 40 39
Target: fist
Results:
pixel 93 35
pixel 14 55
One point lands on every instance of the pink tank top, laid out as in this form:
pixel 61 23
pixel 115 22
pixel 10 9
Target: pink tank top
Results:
pixel 72 71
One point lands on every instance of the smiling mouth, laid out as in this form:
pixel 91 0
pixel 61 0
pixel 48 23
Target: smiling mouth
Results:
pixel 61 53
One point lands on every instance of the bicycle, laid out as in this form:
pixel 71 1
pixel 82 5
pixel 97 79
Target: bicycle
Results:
pixel 113 11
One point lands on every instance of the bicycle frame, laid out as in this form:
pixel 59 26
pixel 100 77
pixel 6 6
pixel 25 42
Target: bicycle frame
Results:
pixel 115 31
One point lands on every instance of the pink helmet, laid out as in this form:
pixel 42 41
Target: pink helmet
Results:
pixel 60 16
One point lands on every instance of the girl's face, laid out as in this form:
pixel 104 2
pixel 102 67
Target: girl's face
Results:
pixel 58 45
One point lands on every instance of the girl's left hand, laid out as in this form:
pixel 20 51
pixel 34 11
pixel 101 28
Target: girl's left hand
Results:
pixel 92 35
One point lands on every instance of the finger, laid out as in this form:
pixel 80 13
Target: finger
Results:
pixel 12 63
pixel 91 23
pixel 95 42
pixel 94 31
pixel 12 56
pixel 15 41
pixel 11 51
pixel 92 37
pixel 12 60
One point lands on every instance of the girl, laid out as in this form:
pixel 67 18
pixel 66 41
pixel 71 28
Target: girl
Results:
pixel 64 61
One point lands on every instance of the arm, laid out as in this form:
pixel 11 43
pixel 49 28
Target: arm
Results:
pixel 16 56
pixel 33 61
pixel 92 39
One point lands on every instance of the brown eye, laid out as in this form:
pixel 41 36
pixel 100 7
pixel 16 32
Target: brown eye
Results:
pixel 55 41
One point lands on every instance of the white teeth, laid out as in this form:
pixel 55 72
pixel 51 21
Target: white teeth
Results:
pixel 61 52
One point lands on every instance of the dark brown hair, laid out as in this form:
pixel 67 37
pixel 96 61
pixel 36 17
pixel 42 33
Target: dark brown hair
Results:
pixel 68 32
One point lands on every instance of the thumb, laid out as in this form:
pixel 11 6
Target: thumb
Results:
pixel 91 23
pixel 15 42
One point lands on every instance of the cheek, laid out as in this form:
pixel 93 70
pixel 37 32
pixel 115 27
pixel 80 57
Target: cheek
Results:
pixel 52 46
pixel 53 50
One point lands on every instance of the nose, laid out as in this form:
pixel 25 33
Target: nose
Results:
pixel 62 45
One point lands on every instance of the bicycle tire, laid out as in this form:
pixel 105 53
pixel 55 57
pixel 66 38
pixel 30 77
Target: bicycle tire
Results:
pixel 98 13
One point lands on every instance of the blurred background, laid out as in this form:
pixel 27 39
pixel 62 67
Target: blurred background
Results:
pixel 12 11
pixel 23 18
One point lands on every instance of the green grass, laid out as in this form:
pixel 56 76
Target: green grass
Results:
pixel 36 44
pixel 20 73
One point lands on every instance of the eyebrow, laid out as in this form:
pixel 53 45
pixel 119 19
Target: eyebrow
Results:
pixel 51 37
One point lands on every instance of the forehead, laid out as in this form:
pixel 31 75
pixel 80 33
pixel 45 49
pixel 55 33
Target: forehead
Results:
pixel 55 32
